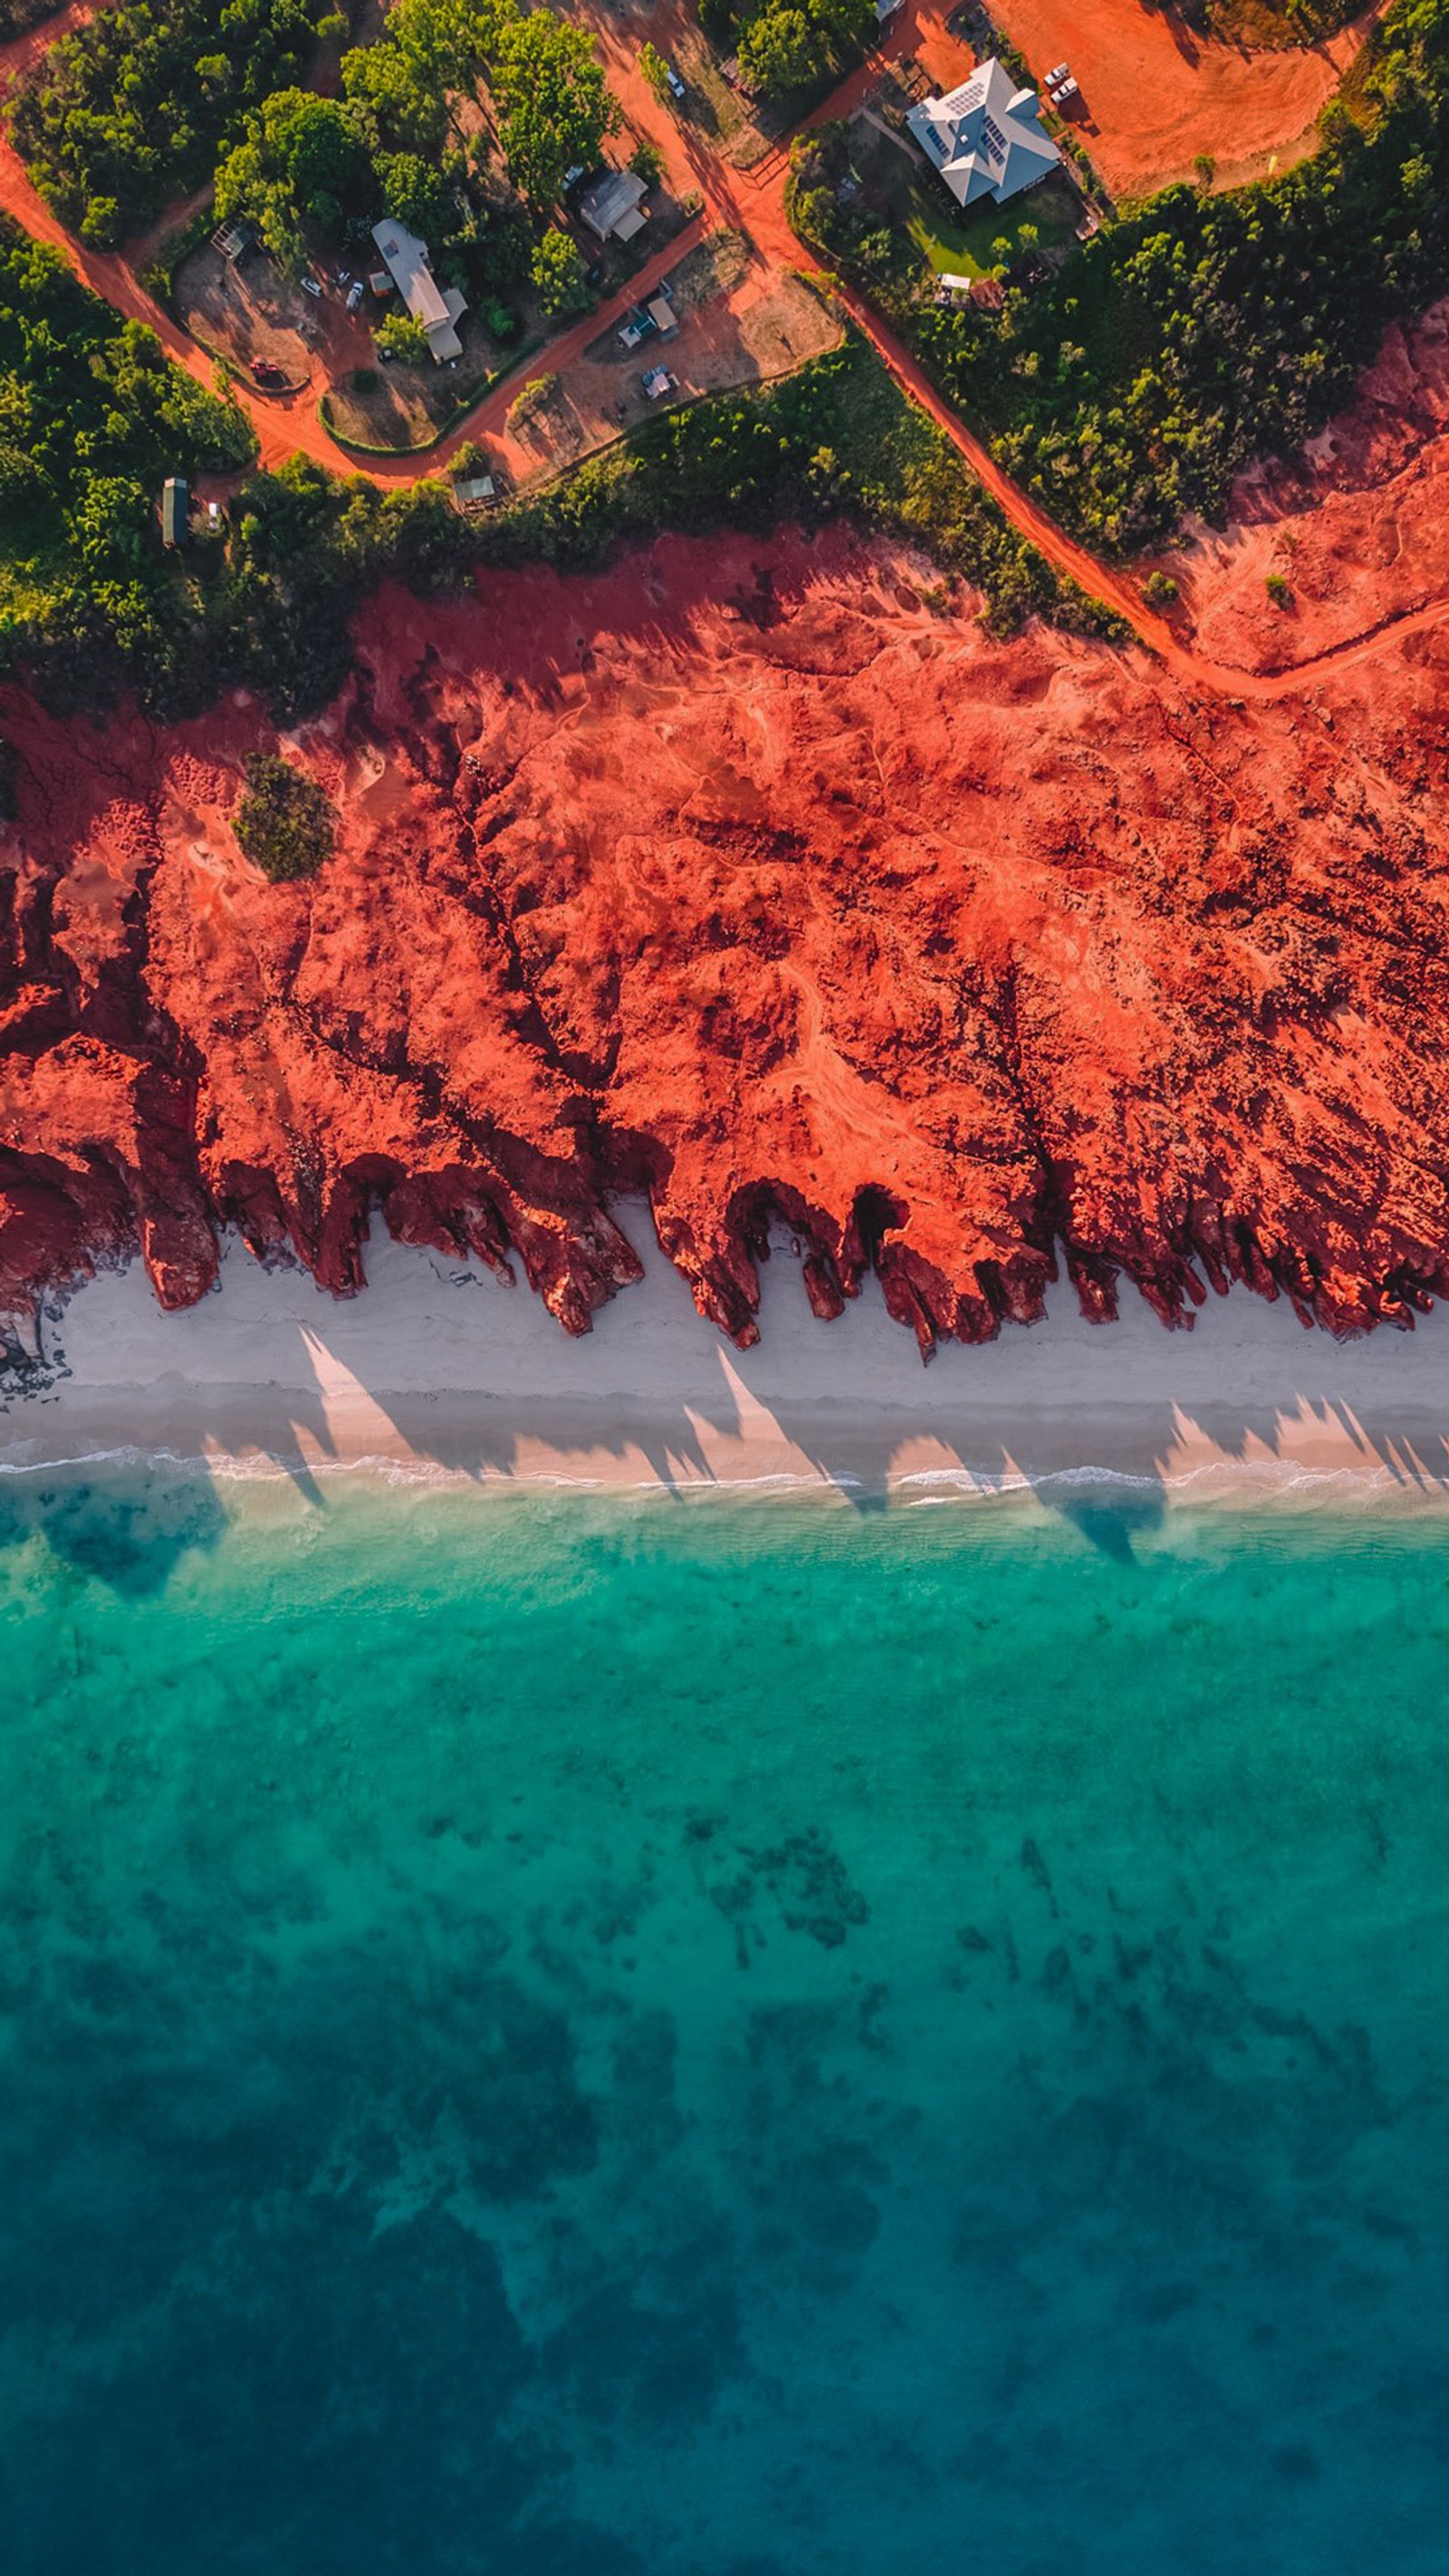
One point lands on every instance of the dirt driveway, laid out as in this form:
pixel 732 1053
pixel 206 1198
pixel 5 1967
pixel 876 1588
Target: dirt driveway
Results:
pixel 739 322
pixel 1156 94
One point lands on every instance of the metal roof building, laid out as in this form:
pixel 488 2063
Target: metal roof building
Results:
pixel 438 309
pixel 986 137
pixel 613 205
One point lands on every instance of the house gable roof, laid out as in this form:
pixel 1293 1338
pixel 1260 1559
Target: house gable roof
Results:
pixel 985 137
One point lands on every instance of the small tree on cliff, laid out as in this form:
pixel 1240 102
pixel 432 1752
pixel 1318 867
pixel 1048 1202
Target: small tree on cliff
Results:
pixel 284 823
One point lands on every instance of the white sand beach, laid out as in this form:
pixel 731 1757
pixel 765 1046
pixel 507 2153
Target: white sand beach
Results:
pixel 438 1369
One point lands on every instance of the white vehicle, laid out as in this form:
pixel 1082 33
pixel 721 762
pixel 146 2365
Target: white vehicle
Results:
pixel 675 83
pixel 1063 72
pixel 354 296
pixel 311 287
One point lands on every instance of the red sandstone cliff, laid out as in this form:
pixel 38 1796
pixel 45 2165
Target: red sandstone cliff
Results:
pixel 770 895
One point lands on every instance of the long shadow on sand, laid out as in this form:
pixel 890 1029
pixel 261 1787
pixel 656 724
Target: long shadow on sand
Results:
pixel 1105 1425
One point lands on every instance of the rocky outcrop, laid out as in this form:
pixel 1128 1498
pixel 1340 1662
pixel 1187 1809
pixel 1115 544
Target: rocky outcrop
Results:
pixel 743 877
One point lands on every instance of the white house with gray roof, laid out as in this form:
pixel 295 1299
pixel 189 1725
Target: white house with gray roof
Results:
pixel 986 138
pixel 438 308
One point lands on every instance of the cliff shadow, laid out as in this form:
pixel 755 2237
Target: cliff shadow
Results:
pixel 1105 1426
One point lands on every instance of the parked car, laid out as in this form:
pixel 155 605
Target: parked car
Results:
pixel 311 287
pixel 637 326
pixel 265 371
pixel 354 296
pixel 675 83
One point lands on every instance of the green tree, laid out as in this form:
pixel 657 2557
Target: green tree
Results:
pixel 446 43
pixel 781 50
pixel 420 194
pixel 400 337
pixel 285 822
pixel 301 161
pixel 391 109
pixel 559 275
pixel 556 107
pixel 110 525
pixel 655 70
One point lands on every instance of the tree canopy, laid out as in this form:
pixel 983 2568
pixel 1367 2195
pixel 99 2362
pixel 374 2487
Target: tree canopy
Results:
pixel 789 43
pixel 300 160
pixel 92 419
pixel 557 109
pixel 558 274
pixel 128 110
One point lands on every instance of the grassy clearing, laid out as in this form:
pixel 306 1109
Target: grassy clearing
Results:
pixel 964 245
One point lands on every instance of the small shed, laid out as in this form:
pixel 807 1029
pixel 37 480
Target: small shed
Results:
pixel 613 205
pixel 175 511
pixel 662 314
pixel 475 492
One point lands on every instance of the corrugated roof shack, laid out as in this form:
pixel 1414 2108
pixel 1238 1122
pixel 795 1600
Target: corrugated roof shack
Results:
pixel 613 205
pixel 175 510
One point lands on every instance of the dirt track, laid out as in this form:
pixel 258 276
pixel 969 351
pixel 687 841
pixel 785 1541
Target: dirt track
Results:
pixel 753 202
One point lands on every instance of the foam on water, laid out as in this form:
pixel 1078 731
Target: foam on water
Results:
pixel 556 2033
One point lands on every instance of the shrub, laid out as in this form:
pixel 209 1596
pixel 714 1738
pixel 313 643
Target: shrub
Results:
pixel 534 400
pixel 558 275
pixel 284 824
pixel 1159 590
pixel 402 338
pixel 655 70
pixel 1279 589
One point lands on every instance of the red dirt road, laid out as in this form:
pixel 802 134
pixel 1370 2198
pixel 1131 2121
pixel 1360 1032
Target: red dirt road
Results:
pixel 753 202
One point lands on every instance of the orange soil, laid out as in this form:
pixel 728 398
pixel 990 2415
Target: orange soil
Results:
pixel 736 875
pixel 1155 94
pixel 1353 526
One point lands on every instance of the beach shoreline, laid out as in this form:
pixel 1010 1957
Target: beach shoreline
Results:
pixel 438 1371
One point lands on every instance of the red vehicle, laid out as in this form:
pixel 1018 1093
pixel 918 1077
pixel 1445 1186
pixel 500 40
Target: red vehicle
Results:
pixel 266 372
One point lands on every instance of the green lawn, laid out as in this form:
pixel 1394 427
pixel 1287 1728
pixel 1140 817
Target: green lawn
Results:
pixel 962 244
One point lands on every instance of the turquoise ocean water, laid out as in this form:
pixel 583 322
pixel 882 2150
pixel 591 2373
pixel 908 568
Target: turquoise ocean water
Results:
pixel 560 2035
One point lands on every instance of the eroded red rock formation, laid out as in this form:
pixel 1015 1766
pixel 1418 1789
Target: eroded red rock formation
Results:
pixel 739 876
